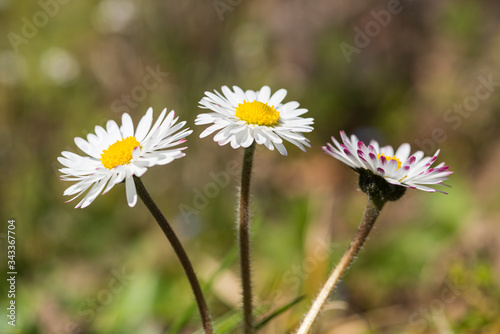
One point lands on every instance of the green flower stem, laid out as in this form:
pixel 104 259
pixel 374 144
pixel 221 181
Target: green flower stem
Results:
pixel 179 250
pixel 373 208
pixel 244 232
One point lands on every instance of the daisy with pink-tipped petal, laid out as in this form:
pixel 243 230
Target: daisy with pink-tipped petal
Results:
pixel 118 153
pixel 384 175
pixel 396 167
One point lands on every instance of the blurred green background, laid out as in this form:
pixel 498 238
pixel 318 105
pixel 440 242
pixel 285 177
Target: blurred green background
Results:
pixel 409 71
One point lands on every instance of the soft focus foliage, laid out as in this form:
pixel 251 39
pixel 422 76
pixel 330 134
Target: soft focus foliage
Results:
pixel 432 264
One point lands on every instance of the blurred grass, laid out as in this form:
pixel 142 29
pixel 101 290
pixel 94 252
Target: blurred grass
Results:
pixel 305 207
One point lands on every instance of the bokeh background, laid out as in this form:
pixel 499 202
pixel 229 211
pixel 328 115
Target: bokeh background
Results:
pixel 396 71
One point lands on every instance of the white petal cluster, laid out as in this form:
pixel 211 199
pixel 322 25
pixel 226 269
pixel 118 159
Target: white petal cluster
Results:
pixel 157 147
pixel 398 168
pixel 237 132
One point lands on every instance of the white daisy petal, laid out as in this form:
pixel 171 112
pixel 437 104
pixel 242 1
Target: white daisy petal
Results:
pixel 101 133
pixel 224 141
pixel 341 157
pixel 232 98
pixel 78 195
pixel 166 159
pixel 299 143
pixel 275 138
pixel 78 187
pixel 215 99
pixel 70 155
pixel 268 143
pixel 424 188
pixel 418 155
pixel 392 181
pixel 155 129
pixel 375 145
pixel 293 113
pixel 387 151
pixel 223 134
pixel 144 125
pixel 121 172
pixel 403 152
pixel 127 128
pixel 234 142
pixel 281 148
pixel 93 140
pixel 131 191
pixel 113 130
pixel 259 138
pixel 111 183
pixel 264 94
pixel 208 131
pixel 251 96
pixel 289 107
pixel 277 97
pixel 113 157
pixel 138 170
pixel 95 191
pixel 86 147
pixel 239 93
pixel 247 139
pixel 136 152
pixel 392 166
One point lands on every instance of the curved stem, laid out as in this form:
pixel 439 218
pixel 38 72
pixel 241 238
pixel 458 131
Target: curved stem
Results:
pixel 373 208
pixel 244 234
pixel 179 250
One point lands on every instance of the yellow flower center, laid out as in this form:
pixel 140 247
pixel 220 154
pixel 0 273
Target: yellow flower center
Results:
pixel 120 153
pixel 257 113
pixel 389 159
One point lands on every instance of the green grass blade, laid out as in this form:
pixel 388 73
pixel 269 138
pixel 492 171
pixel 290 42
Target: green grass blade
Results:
pixel 278 312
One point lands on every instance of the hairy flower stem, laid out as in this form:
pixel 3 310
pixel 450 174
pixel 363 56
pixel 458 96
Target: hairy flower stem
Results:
pixel 373 208
pixel 179 250
pixel 244 232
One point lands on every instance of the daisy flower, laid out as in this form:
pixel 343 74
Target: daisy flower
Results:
pixel 397 168
pixel 242 117
pixel 117 153
pixel 384 175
